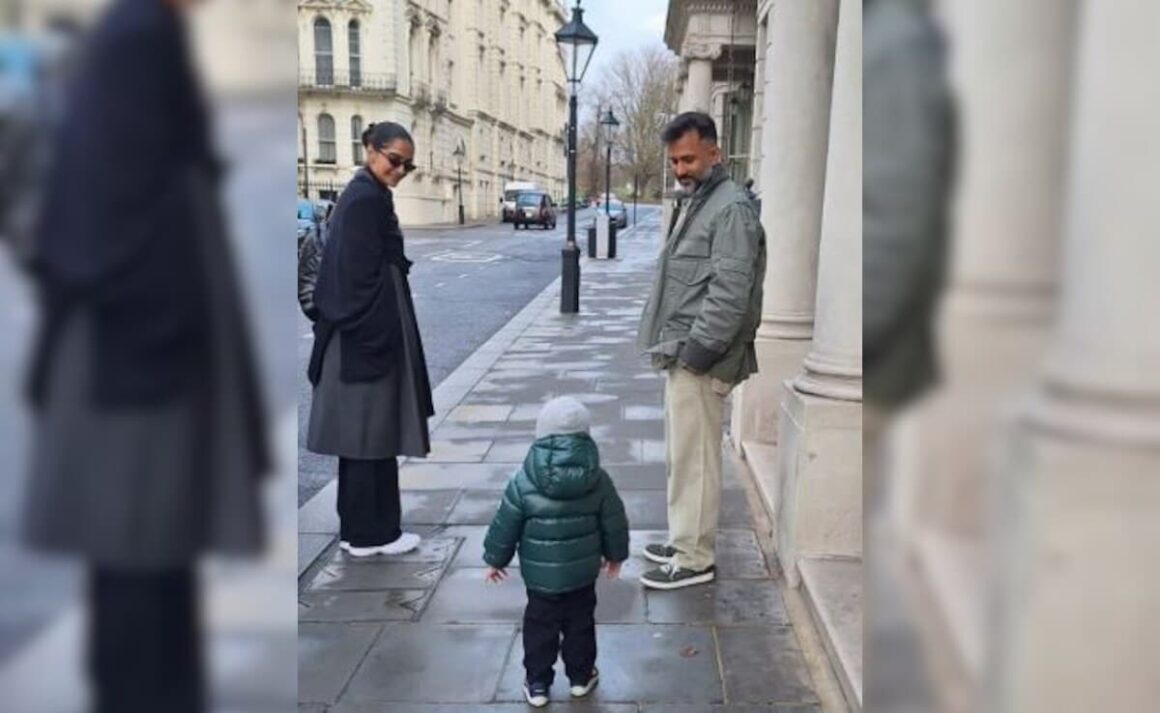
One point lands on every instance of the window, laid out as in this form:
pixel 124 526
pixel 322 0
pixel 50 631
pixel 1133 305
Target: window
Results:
pixel 356 147
pixel 327 150
pixel 323 52
pixel 355 54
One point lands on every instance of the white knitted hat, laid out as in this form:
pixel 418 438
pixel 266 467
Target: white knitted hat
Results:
pixel 562 416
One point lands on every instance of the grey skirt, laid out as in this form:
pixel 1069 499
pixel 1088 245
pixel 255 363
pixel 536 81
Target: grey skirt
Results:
pixel 372 420
pixel 149 488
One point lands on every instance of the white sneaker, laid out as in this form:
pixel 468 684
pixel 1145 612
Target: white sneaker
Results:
pixel 344 545
pixel 579 690
pixel 406 542
pixel 363 551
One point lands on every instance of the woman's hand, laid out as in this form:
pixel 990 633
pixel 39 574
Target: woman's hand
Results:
pixel 495 576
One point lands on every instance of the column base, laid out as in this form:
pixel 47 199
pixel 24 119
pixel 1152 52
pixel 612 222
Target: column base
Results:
pixel 1076 584
pixel 819 480
pixel 755 402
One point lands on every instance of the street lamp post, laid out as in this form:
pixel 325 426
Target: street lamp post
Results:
pixel 458 153
pixel 576 43
pixel 305 161
pixel 608 120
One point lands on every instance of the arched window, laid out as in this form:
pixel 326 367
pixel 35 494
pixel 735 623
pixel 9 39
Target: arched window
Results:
pixel 323 52
pixel 356 147
pixel 327 149
pixel 354 41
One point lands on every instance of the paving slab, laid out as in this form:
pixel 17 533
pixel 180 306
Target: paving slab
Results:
pixel 451 476
pixel 637 663
pixel 764 665
pixel 574 707
pixel 728 602
pixel 463 597
pixel 729 708
pixel 348 574
pixel 387 605
pixel 327 655
pixel 475 507
pixel 427 507
pixel 458 451
pixel 433 664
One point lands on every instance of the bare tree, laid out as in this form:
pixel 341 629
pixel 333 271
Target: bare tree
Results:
pixel 640 85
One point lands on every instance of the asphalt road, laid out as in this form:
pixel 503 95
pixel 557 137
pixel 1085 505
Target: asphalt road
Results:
pixel 467 284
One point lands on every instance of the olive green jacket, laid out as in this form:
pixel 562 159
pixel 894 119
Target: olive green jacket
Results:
pixel 705 305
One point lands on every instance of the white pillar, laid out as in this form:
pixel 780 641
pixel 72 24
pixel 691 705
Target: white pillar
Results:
pixel 1012 135
pixel 698 92
pixel 1004 258
pixel 819 508
pixel 1077 590
pixel 799 62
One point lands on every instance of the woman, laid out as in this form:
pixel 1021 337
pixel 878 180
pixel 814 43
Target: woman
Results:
pixel 149 434
pixel 372 397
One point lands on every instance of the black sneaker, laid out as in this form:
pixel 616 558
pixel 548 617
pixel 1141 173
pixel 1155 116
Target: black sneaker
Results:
pixel 583 688
pixel 661 554
pixel 672 577
pixel 536 693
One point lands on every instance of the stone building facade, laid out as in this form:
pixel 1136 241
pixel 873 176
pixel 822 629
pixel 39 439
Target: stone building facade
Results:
pixel 479 83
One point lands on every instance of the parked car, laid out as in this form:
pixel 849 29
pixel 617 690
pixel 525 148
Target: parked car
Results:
pixel 511 190
pixel 534 208
pixel 306 220
pixel 616 212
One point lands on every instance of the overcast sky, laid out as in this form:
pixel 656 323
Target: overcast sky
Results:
pixel 621 25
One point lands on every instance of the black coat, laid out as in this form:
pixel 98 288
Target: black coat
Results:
pixel 116 235
pixel 355 294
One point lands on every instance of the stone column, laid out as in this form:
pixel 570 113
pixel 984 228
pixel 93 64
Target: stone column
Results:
pixel 799 67
pixel 698 91
pixel 1077 587
pixel 819 505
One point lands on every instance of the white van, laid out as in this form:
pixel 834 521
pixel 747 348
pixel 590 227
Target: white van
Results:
pixel 510 190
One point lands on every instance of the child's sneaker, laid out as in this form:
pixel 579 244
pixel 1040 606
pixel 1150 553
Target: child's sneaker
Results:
pixel 536 693
pixel 583 688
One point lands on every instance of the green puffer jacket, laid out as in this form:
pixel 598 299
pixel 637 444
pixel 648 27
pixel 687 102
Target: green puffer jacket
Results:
pixel 563 512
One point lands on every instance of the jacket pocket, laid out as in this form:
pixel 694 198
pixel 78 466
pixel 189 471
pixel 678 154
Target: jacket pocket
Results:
pixel 689 271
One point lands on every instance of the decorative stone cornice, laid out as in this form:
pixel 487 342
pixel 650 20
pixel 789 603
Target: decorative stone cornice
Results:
pixel 354 7
pixel 701 50
pixel 677 20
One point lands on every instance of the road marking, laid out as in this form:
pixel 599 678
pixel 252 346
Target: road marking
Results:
pixel 462 256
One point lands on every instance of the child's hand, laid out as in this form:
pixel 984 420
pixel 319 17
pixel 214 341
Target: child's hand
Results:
pixel 495 576
pixel 613 569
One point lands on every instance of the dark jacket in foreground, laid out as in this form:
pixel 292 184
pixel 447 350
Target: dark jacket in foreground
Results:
pixel 563 513
pixel 116 235
pixel 908 167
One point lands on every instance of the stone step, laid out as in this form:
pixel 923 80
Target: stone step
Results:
pixel 833 591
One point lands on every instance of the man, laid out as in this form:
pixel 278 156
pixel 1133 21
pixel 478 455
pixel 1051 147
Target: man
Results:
pixel 698 327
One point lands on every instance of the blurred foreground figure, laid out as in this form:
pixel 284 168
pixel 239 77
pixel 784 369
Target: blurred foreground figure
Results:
pixel 150 440
pixel 906 186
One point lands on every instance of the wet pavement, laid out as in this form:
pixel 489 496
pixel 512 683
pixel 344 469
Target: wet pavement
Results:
pixel 423 633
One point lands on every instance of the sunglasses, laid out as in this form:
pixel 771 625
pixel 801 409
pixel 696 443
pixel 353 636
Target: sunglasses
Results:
pixel 397 161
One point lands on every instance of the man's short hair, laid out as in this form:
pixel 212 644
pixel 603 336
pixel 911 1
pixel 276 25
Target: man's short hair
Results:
pixel 690 121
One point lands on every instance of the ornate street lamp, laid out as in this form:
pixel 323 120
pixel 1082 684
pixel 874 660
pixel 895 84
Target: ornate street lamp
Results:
pixel 459 153
pixel 610 123
pixel 577 44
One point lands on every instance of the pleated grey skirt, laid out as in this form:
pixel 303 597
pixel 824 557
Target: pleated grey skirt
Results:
pixel 372 420
pixel 149 488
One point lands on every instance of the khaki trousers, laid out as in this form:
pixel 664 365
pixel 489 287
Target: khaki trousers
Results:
pixel 694 413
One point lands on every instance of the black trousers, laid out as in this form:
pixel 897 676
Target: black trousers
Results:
pixel 145 652
pixel 548 619
pixel 369 511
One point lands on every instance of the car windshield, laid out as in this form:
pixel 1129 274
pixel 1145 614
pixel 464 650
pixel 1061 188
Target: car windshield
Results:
pixel 305 210
pixel 529 199
pixel 615 205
